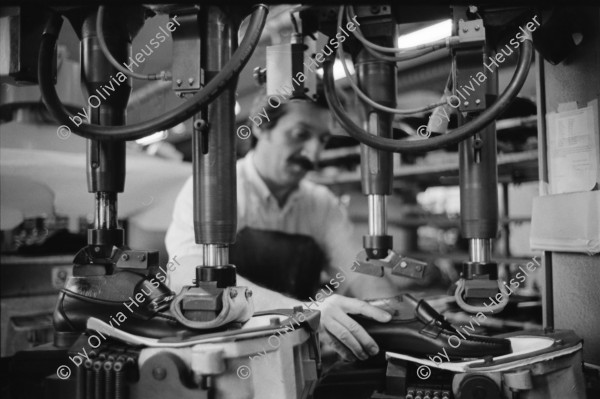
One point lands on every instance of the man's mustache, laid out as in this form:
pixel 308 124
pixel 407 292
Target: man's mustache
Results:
pixel 302 161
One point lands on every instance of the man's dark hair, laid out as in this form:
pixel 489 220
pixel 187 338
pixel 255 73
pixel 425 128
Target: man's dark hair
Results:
pixel 276 106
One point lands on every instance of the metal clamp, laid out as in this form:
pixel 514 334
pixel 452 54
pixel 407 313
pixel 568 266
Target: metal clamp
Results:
pixel 400 265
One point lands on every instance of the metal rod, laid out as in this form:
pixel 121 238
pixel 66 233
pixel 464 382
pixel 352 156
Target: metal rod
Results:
pixel 213 152
pixel 480 250
pixel 377 215
pixel 106 210
pixel 215 255
pixel 105 160
pixel 547 293
pixel 506 226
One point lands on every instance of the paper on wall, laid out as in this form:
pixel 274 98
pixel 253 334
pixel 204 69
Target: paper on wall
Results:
pixel 573 148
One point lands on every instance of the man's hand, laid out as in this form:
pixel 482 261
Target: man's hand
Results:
pixel 348 338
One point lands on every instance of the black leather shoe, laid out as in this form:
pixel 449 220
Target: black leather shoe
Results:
pixel 126 301
pixel 73 310
pixel 427 333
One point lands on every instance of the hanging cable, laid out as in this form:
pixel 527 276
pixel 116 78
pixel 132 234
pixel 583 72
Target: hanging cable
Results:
pixel 294 23
pixel 453 137
pixel 427 46
pixel 163 75
pixel 366 98
pixel 169 119
pixel 404 56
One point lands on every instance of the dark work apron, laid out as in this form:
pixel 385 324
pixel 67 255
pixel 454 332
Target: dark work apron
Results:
pixel 287 263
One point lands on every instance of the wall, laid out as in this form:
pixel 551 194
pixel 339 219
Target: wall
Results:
pixel 576 276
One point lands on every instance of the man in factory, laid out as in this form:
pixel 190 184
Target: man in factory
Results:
pixel 290 231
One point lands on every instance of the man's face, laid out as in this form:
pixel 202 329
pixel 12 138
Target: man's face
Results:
pixel 291 148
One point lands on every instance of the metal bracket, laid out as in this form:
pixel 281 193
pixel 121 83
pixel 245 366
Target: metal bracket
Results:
pixel 471 33
pixel 136 259
pixel 467 66
pixel 400 265
pixel 187 73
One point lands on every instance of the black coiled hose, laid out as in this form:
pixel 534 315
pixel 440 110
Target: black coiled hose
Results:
pixel 169 119
pixel 455 136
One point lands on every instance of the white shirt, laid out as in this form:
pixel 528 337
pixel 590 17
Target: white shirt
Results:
pixel 312 210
